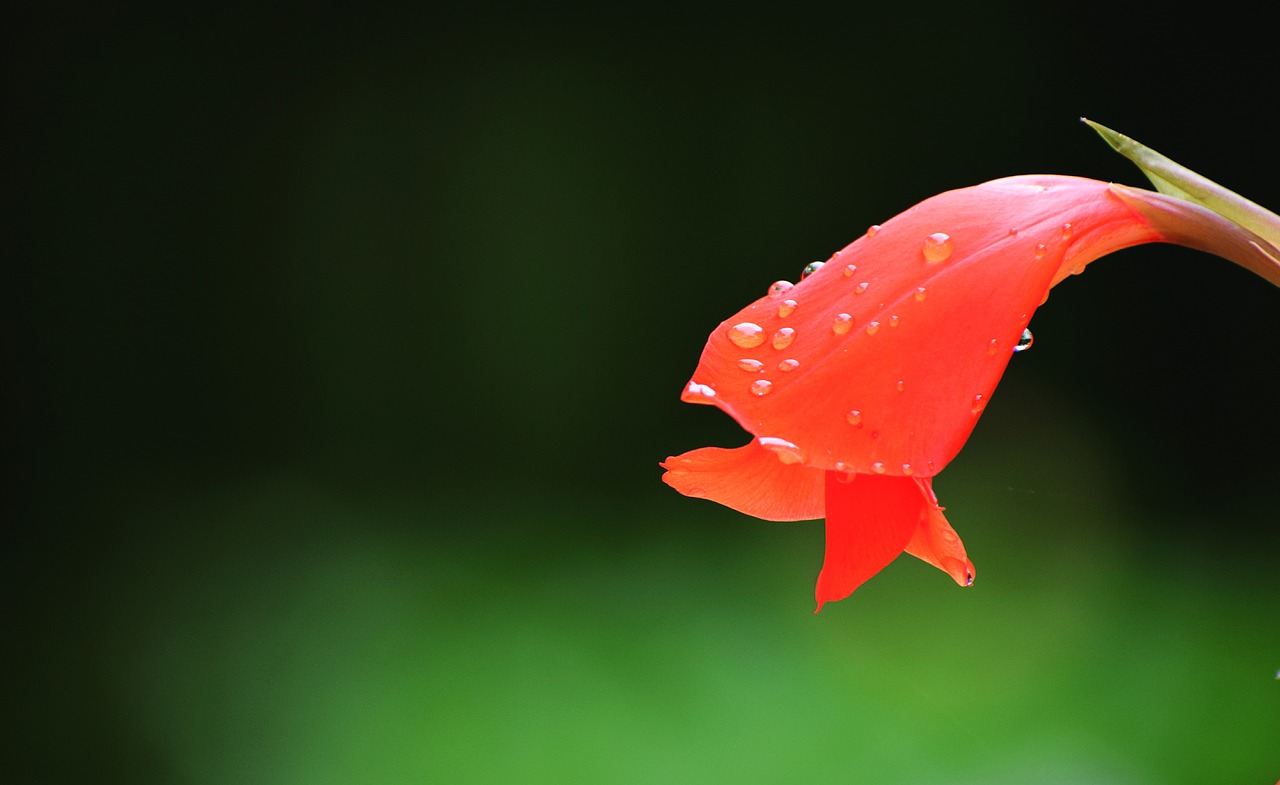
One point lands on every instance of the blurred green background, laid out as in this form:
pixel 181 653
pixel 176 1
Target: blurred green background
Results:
pixel 343 348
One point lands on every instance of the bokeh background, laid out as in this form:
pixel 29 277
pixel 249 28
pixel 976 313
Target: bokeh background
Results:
pixel 343 348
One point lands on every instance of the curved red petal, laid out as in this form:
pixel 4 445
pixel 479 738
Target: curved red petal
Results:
pixel 937 543
pixel 882 360
pixel 870 520
pixel 750 479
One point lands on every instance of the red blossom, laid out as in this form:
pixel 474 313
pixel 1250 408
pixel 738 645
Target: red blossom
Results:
pixel 864 379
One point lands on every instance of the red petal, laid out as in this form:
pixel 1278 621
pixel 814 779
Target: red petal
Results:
pixel 899 392
pixel 750 479
pixel 938 544
pixel 870 519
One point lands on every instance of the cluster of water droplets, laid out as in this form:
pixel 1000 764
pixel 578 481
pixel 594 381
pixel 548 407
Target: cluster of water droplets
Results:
pixel 934 249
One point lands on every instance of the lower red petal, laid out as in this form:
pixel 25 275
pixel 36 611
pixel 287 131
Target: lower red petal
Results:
pixel 870 520
pixel 937 543
pixel 749 479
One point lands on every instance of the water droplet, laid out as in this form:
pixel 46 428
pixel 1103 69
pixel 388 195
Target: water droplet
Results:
pixel 921 292
pixel 779 288
pixel 849 270
pixel 968 577
pixel 901 385
pixel 872 327
pixel 854 417
pixel 1041 250
pixel 1067 231
pixel 1024 343
pixel 786 308
pixel 785 450
pixel 893 320
pixel 754 366
pixel 698 391
pixel 877 467
pixel 783 338
pixel 841 324
pixel 788 365
pixel 861 288
pixel 747 335
pixel 761 387
pixel 907 470
pixel 810 269
pixel 873 230
pixel 992 346
pixel 1013 231
pixel 937 247
pixel 978 404
pixel 1079 268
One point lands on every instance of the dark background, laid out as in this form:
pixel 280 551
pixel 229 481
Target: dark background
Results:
pixel 343 347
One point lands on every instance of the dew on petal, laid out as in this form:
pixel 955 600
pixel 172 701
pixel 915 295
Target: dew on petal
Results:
pixel 1067 231
pixel 1041 250
pixel 783 338
pixel 937 247
pixel 877 467
pixel 1079 268
pixel 849 270
pixel 993 346
pixel 978 403
pixel 893 320
pixel 761 387
pixel 921 293
pixel 788 365
pixel 854 417
pixel 872 327
pixel 747 335
pixel 907 470
pixel 1024 343
pixel 873 230
pixel 900 386
pixel 785 450
pixel 861 288
pixel 779 288
pixel 842 323
pixel 810 269
pixel 698 393
pixel 753 366
pixel 786 308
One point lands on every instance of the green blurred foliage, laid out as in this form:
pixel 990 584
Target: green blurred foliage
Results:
pixel 343 349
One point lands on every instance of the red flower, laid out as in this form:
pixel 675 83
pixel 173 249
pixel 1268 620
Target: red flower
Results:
pixel 862 381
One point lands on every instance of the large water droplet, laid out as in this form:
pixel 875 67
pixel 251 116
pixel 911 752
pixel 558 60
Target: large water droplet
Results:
pixel 921 293
pixel 873 230
pixel 810 269
pixel 978 403
pixel 779 288
pixel 788 365
pixel 854 417
pixel 753 366
pixel 783 338
pixel 872 327
pixel 786 308
pixel 937 247
pixel 747 335
pixel 1024 343
pixel 842 323
pixel 849 270
pixel 761 387
pixel 785 450
pixel 861 288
